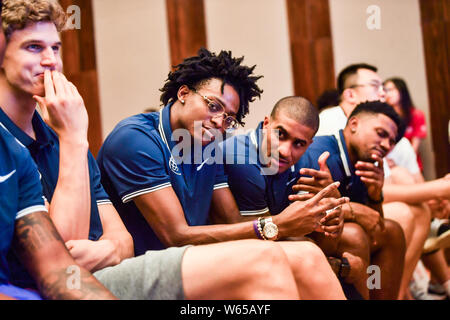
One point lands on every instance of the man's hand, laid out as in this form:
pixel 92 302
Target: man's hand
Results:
pixel 372 176
pixel 333 223
pixel 319 180
pixel 303 217
pixel 368 218
pixel 63 108
pixel 93 255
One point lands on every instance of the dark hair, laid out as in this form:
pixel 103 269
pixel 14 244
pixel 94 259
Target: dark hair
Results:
pixel 298 109
pixel 328 98
pixel 406 103
pixel 1 6
pixel 349 71
pixel 377 107
pixel 194 71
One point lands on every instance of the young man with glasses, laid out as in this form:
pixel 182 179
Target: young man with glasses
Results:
pixel 165 201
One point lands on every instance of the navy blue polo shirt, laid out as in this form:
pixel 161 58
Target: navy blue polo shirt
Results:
pixel 338 162
pixel 45 153
pixel 255 190
pixel 20 193
pixel 136 159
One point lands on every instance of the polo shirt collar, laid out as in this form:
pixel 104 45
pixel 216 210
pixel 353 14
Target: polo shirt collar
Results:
pixel 164 127
pixel 343 152
pixel 43 133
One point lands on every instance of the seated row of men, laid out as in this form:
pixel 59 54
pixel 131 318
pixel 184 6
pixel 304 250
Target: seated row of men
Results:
pixel 169 210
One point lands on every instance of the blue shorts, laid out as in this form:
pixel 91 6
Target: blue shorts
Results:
pixel 19 293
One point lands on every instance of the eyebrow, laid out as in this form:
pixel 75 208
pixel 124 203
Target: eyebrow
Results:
pixel 282 129
pixel 223 104
pixel 31 41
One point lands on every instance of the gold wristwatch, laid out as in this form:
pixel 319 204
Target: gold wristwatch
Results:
pixel 269 229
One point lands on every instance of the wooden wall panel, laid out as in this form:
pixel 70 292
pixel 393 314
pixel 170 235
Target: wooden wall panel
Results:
pixel 435 20
pixel 187 30
pixel 311 47
pixel 80 67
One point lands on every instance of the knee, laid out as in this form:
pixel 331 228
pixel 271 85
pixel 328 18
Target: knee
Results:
pixel 355 235
pixel 267 257
pixel 393 234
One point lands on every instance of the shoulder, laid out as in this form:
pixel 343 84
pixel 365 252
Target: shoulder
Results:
pixel 139 131
pixel 12 147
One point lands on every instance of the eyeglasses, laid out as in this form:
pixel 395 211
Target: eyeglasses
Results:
pixel 376 86
pixel 217 109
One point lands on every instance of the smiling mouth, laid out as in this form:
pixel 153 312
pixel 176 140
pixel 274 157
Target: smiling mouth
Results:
pixel 380 153
pixel 208 134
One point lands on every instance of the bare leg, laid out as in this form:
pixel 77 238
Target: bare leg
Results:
pixel 435 262
pixel 313 274
pixel 354 240
pixel 389 255
pixel 415 222
pixel 246 269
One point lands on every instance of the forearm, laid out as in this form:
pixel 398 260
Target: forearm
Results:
pixel 75 283
pixel 209 234
pixel 354 210
pixel 417 193
pixel 71 204
pixel 41 250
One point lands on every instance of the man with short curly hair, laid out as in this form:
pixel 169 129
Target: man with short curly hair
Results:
pixel 160 172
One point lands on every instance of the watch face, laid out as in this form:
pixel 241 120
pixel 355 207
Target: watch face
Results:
pixel 270 230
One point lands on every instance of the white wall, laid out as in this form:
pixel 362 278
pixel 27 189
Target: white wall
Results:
pixel 396 49
pixel 133 57
pixel 257 30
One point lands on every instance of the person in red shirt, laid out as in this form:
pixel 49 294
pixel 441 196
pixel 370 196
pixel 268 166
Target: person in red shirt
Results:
pixel 397 95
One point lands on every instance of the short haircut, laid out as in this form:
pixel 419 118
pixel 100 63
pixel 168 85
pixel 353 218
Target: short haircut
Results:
pixel 378 107
pixel 198 70
pixel 18 14
pixel 298 109
pixel 349 71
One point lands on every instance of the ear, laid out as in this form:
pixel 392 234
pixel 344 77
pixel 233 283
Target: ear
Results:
pixel 182 93
pixel 266 122
pixel 353 124
pixel 350 96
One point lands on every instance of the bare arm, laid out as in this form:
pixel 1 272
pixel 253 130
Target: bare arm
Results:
pixel 41 250
pixel 415 143
pixel 165 215
pixel 113 246
pixel 64 111
pixel 418 192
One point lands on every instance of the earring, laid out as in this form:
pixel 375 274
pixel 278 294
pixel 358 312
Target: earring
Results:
pixel 182 101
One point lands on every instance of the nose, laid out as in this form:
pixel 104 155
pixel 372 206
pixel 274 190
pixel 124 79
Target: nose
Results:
pixel 386 144
pixel 284 149
pixel 49 58
pixel 217 121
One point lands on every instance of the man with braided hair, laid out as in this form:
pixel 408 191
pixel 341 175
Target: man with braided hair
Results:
pixel 161 172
